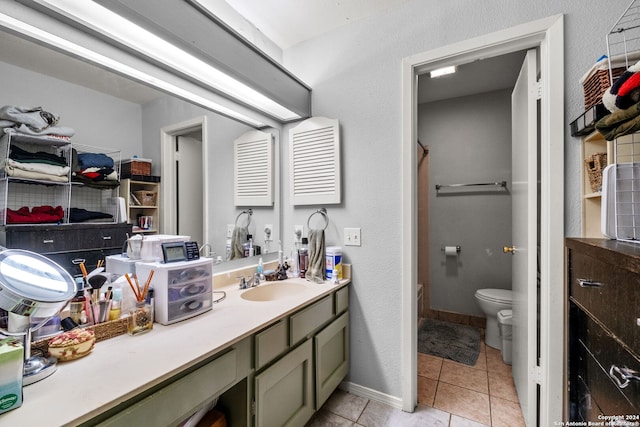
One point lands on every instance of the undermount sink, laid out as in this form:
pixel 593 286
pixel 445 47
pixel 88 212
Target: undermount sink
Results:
pixel 272 291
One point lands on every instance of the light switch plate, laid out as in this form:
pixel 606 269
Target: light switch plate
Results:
pixel 230 228
pixel 352 237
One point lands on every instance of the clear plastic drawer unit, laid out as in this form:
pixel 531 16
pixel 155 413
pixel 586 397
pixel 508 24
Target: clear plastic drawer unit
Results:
pixel 181 289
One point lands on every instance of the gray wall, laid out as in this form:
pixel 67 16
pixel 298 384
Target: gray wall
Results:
pixel 469 141
pixel 99 120
pixel 355 73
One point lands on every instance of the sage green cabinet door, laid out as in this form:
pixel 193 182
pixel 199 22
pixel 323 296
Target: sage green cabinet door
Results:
pixel 284 391
pixel 332 357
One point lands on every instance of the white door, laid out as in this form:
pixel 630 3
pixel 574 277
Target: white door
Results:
pixel 189 200
pixel 525 224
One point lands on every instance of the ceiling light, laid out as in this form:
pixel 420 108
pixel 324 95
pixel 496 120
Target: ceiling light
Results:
pixel 443 71
pixel 119 29
pixel 108 63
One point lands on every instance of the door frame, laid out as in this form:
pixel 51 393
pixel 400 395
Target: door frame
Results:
pixel 548 35
pixel 168 135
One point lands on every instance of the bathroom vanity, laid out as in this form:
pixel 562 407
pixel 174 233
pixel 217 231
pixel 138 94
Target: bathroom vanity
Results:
pixel 269 357
pixel 603 281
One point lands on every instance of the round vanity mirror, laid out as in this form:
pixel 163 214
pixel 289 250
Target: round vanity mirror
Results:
pixel 33 285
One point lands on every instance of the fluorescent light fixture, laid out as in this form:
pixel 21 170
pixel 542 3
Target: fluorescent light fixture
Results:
pixel 443 71
pixel 117 28
pixel 93 57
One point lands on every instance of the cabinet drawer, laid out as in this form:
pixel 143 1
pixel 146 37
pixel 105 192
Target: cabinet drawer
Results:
pixel 171 403
pixel 188 290
pixel 342 300
pixel 603 352
pixel 309 320
pixel 102 237
pixel 185 308
pixel 188 274
pixel 611 294
pixel 271 343
pixel 41 241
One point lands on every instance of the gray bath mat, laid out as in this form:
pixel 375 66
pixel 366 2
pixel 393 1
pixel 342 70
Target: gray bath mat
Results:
pixel 460 343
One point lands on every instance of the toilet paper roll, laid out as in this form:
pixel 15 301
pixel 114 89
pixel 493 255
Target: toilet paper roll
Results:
pixel 451 250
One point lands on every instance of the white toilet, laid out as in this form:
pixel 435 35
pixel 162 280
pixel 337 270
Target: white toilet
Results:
pixel 491 301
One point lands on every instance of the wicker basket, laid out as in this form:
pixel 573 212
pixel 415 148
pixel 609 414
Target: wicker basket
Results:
pixel 135 167
pixel 145 198
pixel 102 331
pixel 595 164
pixel 596 84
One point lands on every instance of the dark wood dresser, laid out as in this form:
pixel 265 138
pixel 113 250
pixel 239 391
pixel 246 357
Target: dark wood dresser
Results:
pixel 603 278
pixel 68 244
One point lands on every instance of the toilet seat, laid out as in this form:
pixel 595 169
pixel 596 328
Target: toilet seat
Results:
pixel 503 296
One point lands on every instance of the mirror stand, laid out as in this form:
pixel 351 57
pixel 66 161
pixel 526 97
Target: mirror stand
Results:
pixel 35 368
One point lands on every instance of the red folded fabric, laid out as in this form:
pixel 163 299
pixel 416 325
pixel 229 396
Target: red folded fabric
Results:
pixel 631 83
pixel 37 215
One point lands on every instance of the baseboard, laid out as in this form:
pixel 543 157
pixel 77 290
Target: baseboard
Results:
pixel 371 394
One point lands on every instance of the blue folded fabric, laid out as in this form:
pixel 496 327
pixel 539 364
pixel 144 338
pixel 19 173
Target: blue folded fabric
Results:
pixel 94 160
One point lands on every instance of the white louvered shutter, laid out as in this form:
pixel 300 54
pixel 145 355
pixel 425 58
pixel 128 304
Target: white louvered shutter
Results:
pixel 253 169
pixel 314 158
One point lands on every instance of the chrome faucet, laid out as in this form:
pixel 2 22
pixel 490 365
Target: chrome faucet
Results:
pixel 250 283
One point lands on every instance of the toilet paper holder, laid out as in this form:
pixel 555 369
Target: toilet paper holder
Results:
pixel 451 250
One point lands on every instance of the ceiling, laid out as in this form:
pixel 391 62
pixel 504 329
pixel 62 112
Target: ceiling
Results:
pixel 303 20
pixel 289 22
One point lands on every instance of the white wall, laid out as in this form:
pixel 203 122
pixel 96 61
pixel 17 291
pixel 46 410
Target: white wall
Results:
pixel 469 141
pixel 355 73
pixel 99 120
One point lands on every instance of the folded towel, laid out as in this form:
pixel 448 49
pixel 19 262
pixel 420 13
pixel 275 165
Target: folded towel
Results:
pixel 238 237
pixel 620 123
pixel 316 270
pixel 39 167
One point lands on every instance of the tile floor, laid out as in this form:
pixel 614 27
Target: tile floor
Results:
pixel 450 394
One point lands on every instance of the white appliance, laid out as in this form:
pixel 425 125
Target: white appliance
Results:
pixel 152 245
pixel 181 289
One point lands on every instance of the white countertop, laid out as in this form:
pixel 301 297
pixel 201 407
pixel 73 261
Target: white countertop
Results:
pixel 119 368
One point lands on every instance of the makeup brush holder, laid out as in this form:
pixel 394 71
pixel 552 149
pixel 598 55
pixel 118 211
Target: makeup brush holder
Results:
pixel 140 319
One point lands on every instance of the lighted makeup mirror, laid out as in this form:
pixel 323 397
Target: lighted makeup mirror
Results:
pixel 32 286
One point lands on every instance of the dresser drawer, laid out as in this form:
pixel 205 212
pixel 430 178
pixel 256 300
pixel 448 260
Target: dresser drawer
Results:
pixel 42 241
pixel 602 353
pixel 610 293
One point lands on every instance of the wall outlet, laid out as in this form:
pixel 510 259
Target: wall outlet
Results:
pixel 298 231
pixel 268 232
pixel 352 237
pixel 230 228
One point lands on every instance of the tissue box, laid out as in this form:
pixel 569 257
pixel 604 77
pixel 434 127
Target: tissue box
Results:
pixel 11 365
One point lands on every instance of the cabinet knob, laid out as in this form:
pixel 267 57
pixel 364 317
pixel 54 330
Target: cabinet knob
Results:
pixel 623 376
pixel 586 283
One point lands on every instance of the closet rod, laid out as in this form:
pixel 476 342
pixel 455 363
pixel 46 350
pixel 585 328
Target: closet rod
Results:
pixel 495 184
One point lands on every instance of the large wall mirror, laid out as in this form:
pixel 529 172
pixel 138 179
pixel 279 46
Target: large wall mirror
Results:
pixel 116 112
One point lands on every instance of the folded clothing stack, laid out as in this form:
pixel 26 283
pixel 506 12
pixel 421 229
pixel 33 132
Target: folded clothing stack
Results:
pixel 622 99
pixel 94 170
pixel 32 121
pixel 36 165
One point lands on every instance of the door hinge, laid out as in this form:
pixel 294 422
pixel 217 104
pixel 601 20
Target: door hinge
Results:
pixel 176 156
pixel 537 374
pixel 253 407
pixel 538 89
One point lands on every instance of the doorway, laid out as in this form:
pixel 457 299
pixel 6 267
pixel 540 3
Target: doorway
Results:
pixel 547 35
pixel 185 178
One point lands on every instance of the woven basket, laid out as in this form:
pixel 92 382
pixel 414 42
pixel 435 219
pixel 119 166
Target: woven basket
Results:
pixel 135 167
pixel 146 198
pixel 102 331
pixel 595 86
pixel 595 164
